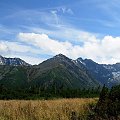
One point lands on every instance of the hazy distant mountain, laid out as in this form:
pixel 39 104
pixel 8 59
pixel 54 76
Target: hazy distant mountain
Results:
pixel 106 74
pixel 12 61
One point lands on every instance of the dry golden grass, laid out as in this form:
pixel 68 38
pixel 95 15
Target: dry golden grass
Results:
pixel 61 109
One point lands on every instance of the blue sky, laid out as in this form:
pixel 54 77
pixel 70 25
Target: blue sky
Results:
pixel 35 30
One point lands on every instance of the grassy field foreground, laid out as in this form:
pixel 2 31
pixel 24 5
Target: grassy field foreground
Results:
pixel 61 109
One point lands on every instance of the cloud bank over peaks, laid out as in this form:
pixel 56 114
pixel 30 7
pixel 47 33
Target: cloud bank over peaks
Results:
pixel 19 50
pixel 45 43
pixel 105 50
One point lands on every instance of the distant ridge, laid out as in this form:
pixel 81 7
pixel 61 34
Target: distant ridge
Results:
pixel 12 61
pixel 108 74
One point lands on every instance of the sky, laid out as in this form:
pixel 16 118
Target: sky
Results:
pixel 35 30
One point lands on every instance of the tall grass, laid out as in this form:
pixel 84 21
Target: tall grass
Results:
pixel 61 109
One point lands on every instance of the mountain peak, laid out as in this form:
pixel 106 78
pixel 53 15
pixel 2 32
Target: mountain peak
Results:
pixel 60 55
pixel 0 55
pixel 80 58
pixel 12 61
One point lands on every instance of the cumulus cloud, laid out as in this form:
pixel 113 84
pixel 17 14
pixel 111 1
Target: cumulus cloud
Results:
pixel 104 50
pixel 16 49
pixel 6 46
pixel 51 46
pixel 31 46
pixel 45 43
pixel 3 47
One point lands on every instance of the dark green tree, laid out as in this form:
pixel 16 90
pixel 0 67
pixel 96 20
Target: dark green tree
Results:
pixel 102 105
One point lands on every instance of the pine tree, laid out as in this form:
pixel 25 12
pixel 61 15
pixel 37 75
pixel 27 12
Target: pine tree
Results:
pixel 102 105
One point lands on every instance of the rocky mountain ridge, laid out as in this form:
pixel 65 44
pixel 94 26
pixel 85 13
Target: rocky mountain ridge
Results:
pixel 59 71
pixel 12 61
pixel 82 71
pixel 108 74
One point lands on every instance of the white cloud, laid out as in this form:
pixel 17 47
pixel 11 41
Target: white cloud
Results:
pixel 25 52
pixel 45 43
pixel 105 50
pixel 32 60
pixel 66 33
pixel 29 59
pixel 31 46
pixel 66 10
pixel 7 46
pixel 3 47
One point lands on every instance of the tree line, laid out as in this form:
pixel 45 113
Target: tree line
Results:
pixel 41 92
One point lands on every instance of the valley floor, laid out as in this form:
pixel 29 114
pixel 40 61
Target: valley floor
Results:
pixel 60 109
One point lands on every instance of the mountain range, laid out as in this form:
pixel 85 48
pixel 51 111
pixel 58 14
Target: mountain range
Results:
pixel 108 74
pixel 12 61
pixel 60 71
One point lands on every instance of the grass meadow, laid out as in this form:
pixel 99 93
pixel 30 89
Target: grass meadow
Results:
pixel 60 109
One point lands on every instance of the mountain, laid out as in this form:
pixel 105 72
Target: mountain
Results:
pixel 59 71
pixel 13 77
pixel 114 70
pixel 12 61
pixel 105 74
pixel 62 71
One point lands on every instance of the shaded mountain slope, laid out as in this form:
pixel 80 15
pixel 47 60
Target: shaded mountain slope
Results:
pixel 105 74
pixel 58 71
pixel 62 70
pixel 13 76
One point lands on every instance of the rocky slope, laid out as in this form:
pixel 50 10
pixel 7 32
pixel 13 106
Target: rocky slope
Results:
pixel 59 71
pixel 12 61
pixel 105 74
